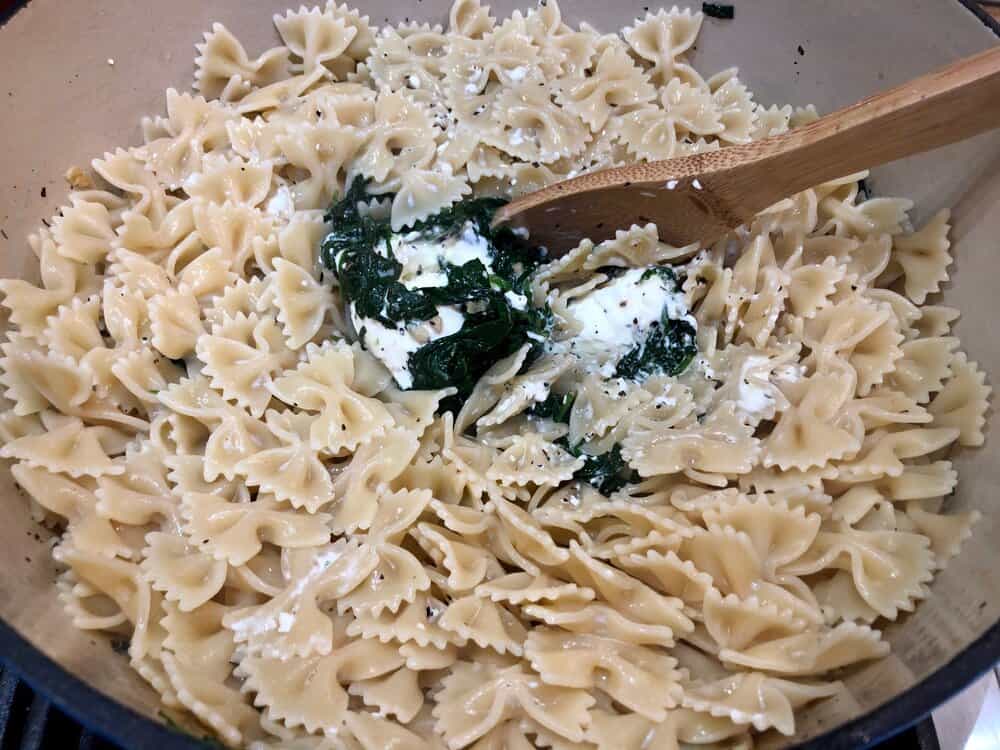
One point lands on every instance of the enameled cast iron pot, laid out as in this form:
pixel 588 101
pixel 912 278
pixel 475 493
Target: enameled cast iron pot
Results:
pixel 62 102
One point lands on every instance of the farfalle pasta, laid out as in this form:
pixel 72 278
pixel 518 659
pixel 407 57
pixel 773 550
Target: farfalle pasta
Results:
pixel 351 468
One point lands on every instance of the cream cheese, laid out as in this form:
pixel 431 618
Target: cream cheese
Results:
pixel 394 345
pixel 618 315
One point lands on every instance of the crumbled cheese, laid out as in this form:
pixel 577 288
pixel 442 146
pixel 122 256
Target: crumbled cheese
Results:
pixel 618 315
pixel 790 373
pixel 517 301
pixel 755 398
pixel 518 74
pixel 281 204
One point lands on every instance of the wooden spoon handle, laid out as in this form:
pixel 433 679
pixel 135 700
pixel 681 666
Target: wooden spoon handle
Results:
pixel 948 105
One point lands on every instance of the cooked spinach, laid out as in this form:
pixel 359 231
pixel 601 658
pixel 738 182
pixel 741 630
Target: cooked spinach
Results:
pixel 449 221
pixel 488 336
pixel 668 349
pixel 556 407
pixel 606 472
pixel 495 329
pixel 352 230
pixel 718 10
pixel 664 272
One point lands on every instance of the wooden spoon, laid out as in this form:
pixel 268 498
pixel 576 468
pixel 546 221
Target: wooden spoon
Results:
pixel 699 198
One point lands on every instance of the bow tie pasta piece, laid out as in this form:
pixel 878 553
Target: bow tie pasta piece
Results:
pixel 534 460
pixel 175 323
pixel 962 402
pixel 31 306
pixel 69 446
pixel 470 18
pixel 86 530
pixel 601 620
pixel 34 379
pixel 402 139
pixel 890 569
pixel 302 302
pixel 662 38
pixel 812 432
pixel 485 623
pixel 737 624
pixel 194 127
pixel 523 588
pixel 315 38
pixel 466 564
pixel 720 444
pixel 295 621
pixel 305 555
pixel 196 660
pixel 241 356
pixel 230 180
pixel 139 494
pixel 74 329
pixel 308 692
pixel 361 484
pixel 754 698
pixel 779 534
pixel 410 59
pixel 616 83
pixel 122 583
pixel 235 531
pixel 181 572
pixel 398 578
pixel 610 731
pixel 396 694
pixel 224 70
pixel 488 695
pixel 323 383
pixel 631 597
pixel 126 170
pixel 811 652
pixel 639 678
pixel 417 622
pixel 85 232
pixel 292 472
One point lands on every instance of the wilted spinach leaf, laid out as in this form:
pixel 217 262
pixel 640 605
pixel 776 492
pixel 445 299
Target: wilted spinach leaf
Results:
pixel 556 407
pixel 606 472
pixel 370 281
pixel 668 349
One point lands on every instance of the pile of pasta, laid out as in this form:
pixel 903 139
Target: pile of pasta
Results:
pixel 302 555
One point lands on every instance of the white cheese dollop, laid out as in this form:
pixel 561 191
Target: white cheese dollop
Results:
pixel 394 345
pixel 423 260
pixel 617 316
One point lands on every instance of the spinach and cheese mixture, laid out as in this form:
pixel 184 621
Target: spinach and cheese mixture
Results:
pixel 440 302
pixel 348 467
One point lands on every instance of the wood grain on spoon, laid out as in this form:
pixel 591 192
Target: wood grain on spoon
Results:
pixel 699 198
